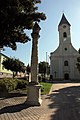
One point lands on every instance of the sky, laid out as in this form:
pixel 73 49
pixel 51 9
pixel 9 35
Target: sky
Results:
pixel 49 36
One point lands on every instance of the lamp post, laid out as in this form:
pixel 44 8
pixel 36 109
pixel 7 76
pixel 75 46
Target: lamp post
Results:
pixel 34 91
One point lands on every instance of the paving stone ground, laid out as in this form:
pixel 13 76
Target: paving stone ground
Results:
pixel 63 103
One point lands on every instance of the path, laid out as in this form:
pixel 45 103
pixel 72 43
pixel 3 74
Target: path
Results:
pixel 63 103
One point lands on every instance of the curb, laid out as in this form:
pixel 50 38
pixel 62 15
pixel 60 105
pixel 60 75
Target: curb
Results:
pixel 51 89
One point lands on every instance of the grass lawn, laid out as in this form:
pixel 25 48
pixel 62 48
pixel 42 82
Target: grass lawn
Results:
pixel 45 87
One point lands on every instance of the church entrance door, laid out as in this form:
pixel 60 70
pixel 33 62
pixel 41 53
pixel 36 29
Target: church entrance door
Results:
pixel 66 76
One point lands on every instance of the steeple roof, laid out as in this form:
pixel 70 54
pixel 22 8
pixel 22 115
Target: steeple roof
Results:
pixel 64 21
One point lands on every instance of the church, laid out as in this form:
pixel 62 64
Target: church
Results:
pixel 63 60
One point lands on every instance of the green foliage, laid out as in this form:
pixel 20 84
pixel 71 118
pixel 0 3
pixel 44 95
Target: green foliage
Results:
pixel 39 78
pixel 14 65
pixel 7 84
pixel 44 67
pixel 15 17
pixel 45 88
pixel 21 84
pixel 28 69
pixel 44 79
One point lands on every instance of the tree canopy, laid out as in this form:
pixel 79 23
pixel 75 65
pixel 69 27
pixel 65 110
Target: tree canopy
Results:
pixel 15 17
pixel 15 65
pixel 44 68
pixel 28 68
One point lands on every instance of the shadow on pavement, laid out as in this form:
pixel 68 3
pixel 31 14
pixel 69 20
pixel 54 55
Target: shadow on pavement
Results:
pixel 14 108
pixel 11 95
pixel 66 101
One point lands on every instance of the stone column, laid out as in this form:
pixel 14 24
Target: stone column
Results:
pixel 34 88
pixel 34 57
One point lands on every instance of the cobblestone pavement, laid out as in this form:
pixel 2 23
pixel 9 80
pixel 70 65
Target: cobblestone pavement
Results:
pixel 63 103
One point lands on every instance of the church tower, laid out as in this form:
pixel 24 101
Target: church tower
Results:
pixel 63 60
pixel 64 36
pixel 64 30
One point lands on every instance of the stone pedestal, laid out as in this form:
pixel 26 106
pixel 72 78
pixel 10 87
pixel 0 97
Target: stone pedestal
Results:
pixel 34 95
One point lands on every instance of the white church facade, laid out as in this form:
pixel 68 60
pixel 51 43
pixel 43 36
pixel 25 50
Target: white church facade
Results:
pixel 63 60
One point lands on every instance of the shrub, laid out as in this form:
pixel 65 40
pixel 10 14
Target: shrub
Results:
pixel 24 78
pixel 39 78
pixel 44 79
pixel 21 84
pixel 3 90
pixel 7 84
pixel 2 87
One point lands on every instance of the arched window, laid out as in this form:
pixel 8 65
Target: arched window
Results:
pixel 65 35
pixel 66 63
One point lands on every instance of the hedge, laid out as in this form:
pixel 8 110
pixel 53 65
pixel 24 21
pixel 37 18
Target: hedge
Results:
pixel 9 84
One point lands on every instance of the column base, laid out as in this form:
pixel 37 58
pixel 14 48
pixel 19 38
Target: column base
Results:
pixel 34 95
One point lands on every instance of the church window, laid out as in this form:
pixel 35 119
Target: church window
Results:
pixel 64 26
pixel 65 49
pixel 65 35
pixel 66 63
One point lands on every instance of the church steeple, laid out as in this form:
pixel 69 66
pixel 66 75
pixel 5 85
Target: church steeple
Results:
pixel 64 21
pixel 64 30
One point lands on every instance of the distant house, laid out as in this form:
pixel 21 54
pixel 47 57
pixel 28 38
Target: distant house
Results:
pixel 4 72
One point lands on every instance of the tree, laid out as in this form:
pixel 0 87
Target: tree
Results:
pixel 15 65
pixel 15 17
pixel 78 62
pixel 44 68
pixel 28 69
